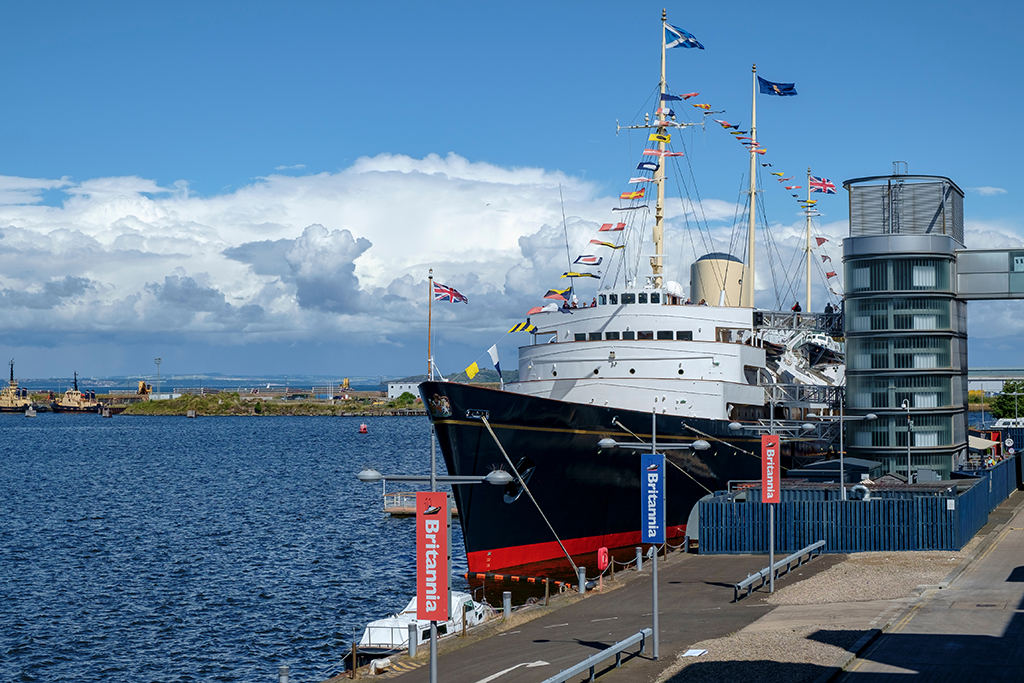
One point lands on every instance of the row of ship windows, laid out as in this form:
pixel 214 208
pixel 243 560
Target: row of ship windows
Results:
pixel 630 334
pixel 629 298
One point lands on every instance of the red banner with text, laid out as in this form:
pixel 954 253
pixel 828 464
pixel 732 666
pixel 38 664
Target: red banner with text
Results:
pixel 770 469
pixel 432 555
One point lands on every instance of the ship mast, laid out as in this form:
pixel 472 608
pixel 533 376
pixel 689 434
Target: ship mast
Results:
pixel 657 265
pixel 748 279
pixel 807 212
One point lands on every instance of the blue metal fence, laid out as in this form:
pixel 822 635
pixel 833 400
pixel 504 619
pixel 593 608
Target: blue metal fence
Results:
pixel 902 520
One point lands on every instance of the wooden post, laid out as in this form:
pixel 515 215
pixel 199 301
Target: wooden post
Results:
pixel 463 621
pixel 547 590
pixel 355 662
pixel 611 568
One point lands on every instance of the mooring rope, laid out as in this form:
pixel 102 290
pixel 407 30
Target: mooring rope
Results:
pixel 527 489
pixel 615 421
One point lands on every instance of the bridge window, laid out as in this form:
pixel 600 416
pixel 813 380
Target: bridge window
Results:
pixel 655 297
pixel 581 336
pixel 645 335
pixel 613 299
pixel 628 335
pixel 602 299
pixel 629 298
pixel 641 298
pixel 595 336
pixel 611 335
pixel 664 334
pixel 684 335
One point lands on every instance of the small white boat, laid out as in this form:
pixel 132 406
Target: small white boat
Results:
pixel 1006 422
pixel 390 635
pixel 30 412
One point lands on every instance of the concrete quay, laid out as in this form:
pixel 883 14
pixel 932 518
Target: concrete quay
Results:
pixel 966 627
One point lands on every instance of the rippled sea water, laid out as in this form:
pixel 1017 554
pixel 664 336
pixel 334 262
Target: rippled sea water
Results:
pixel 215 549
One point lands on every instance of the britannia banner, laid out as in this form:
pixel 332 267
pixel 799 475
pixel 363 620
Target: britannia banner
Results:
pixel 432 556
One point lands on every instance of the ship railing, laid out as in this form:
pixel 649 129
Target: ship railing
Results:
pixel 615 650
pixel 826 323
pixel 803 395
pixel 786 563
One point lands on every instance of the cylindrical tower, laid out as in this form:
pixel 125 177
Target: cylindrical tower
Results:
pixel 906 332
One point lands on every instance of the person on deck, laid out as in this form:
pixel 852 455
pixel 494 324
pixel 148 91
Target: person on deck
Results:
pixel 796 307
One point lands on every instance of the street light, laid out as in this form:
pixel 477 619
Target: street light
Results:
pixel 910 430
pixel 495 477
pixel 698 445
pixel 843 419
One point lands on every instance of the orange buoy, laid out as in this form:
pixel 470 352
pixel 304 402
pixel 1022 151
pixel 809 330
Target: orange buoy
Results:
pixel 362 428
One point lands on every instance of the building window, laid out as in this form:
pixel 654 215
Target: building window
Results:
pixel 645 335
pixel 664 334
pixel 611 335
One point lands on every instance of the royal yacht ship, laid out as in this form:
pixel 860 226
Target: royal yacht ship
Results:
pixel 643 363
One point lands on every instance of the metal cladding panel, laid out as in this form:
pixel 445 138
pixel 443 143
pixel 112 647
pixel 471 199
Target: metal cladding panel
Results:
pixel 902 245
pixel 902 205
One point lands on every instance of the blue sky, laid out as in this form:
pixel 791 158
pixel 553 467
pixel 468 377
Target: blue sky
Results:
pixel 166 170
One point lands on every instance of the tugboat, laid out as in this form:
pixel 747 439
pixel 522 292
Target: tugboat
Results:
pixel 14 399
pixel 75 401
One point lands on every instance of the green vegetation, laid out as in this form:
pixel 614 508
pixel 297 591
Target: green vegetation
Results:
pixel 234 404
pixel 1007 404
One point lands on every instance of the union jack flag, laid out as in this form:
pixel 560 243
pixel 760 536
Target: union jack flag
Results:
pixel 445 293
pixel 822 185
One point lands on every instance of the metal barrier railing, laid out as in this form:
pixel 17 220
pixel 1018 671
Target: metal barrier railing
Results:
pixel 762 576
pixel 593 661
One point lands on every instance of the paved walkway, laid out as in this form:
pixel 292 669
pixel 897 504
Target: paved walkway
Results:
pixel 972 630
pixel 695 600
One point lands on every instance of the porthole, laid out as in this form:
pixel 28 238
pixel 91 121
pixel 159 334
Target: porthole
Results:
pixel 596 370
pixel 680 371
pixel 632 371
pixel 554 373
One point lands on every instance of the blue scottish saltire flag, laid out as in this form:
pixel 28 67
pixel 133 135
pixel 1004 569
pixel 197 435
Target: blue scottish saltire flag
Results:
pixel 780 89
pixel 677 37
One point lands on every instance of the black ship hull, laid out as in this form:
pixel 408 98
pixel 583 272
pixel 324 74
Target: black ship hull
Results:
pixel 590 497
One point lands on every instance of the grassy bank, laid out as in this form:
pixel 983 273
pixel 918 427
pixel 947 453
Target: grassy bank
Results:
pixel 233 404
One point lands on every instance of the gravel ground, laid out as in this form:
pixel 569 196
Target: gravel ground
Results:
pixel 795 655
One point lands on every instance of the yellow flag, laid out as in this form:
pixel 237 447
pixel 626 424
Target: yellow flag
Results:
pixel 657 137
pixel 472 370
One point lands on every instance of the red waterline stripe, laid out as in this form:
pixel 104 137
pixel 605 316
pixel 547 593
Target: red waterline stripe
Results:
pixel 500 558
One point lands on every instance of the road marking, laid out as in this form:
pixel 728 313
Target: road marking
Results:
pixel 528 665
pixel 556 625
pixel 508 633
pixel 605 619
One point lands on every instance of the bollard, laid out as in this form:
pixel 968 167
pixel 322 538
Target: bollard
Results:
pixel 547 590
pixel 355 660
pixel 639 559
pixel 611 568
pixel 583 579
pixel 282 674
pixel 506 603
pixel 414 637
pixel 463 622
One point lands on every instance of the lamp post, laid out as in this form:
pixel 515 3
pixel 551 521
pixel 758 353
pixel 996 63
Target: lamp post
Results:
pixel 654 446
pixel 910 430
pixel 843 419
pixel 495 477
pixel 158 361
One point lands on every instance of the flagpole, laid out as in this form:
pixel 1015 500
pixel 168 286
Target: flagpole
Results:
pixel 748 280
pixel 658 233
pixel 430 319
pixel 807 212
